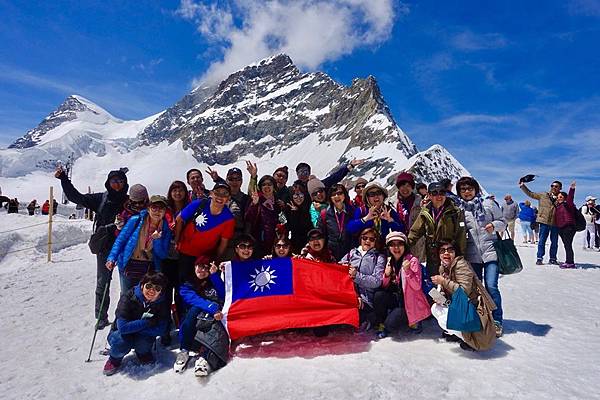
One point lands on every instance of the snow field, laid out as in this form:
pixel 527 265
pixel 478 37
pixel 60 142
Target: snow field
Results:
pixel 549 350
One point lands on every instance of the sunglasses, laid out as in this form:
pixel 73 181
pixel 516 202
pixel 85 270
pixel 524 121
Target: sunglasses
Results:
pixel 235 179
pixel 438 193
pixel 359 187
pixel 316 192
pixel 137 203
pixel 280 176
pixel 116 180
pixel 555 186
pixel 446 250
pixel 298 195
pixel 282 246
pixel 464 189
pixel 224 194
pixel 153 286
pixel 368 238
pixel 375 193
pixel 157 207
pixel 245 246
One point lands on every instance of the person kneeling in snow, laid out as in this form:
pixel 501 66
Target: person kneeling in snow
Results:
pixel 141 316
pixel 201 330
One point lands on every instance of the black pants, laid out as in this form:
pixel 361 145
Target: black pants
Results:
pixel 185 269
pixel 567 234
pixel 103 278
pixel 389 309
pixel 383 301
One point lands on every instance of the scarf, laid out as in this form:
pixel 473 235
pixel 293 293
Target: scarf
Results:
pixel 474 206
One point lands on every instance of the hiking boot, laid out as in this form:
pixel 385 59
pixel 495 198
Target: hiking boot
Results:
pixel 103 323
pixel 201 367
pixel 539 262
pixel 181 362
pixel 147 358
pixel 111 367
pixel 498 328
pixel 554 262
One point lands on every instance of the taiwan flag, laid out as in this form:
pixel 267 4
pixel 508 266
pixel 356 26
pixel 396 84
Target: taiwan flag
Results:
pixel 269 295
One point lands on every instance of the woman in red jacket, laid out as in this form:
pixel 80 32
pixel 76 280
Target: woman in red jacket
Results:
pixel 564 218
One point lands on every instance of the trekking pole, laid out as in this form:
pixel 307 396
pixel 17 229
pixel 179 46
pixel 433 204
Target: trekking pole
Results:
pixel 97 322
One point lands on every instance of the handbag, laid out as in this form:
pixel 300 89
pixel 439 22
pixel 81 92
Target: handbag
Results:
pixel 509 261
pixel 580 222
pixel 100 239
pixel 462 314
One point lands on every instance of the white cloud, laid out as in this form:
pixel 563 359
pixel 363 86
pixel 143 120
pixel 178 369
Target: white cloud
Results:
pixel 463 119
pixel 470 41
pixel 588 8
pixel 310 31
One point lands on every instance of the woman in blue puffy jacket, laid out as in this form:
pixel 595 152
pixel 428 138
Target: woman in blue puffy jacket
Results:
pixel 527 216
pixel 142 244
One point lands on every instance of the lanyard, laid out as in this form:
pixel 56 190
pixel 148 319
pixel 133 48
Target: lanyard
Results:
pixel 340 224
pixel 437 215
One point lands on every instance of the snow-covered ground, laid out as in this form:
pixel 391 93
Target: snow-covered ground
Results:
pixel 550 349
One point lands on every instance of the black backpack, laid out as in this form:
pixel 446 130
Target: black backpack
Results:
pixel 579 220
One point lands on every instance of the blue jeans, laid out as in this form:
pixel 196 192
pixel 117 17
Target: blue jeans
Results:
pixel 120 346
pixel 546 230
pixel 491 272
pixel 527 231
pixel 187 328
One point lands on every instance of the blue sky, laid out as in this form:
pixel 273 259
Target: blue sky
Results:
pixel 508 87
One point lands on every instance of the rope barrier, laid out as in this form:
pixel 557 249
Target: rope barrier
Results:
pixel 44 223
pixel 39 245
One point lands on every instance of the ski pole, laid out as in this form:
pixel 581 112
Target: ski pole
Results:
pixel 97 321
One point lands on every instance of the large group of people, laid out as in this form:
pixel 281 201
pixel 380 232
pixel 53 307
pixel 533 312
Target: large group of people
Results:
pixel 406 255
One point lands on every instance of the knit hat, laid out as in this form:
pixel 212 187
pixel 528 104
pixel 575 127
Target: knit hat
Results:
pixel 371 187
pixel 138 193
pixel 359 181
pixel 405 177
pixel 283 169
pixel 395 236
pixel 313 185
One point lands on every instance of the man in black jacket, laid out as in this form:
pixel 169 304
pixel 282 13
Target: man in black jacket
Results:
pixel 106 205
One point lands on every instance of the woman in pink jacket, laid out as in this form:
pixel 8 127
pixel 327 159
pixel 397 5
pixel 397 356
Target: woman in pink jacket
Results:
pixel 402 280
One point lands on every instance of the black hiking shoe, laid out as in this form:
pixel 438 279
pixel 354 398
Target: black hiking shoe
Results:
pixel 539 262
pixel 554 262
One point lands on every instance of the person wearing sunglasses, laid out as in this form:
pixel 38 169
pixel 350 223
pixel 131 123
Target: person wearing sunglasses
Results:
pixel 359 186
pixel 262 215
pixel 142 245
pixel 141 316
pixel 318 195
pixel 365 267
pixel 297 214
pixel 439 220
pixel 333 221
pixel 137 201
pixel 455 272
pixel 316 248
pixel 106 206
pixel 303 171
pixel 402 296
pixel 281 248
pixel 545 219
pixel 376 214
pixel 201 333
pixel 565 221
pixel 484 222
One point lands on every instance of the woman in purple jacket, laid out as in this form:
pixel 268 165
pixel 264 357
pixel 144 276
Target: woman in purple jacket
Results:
pixel 564 217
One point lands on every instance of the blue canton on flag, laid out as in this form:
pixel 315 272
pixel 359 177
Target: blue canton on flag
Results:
pixel 259 278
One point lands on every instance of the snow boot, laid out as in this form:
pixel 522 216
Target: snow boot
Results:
pixel 201 367
pixel 111 367
pixel 181 362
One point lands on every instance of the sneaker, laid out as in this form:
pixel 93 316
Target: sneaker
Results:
pixel 539 262
pixel 181 362
pixel 567 266
pixel 103 323
pixel 201 367
pixel 147 358
pixel 111 367
pixel 554 262
pixel 498 328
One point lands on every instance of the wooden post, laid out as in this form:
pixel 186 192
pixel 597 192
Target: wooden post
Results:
pixel 50 212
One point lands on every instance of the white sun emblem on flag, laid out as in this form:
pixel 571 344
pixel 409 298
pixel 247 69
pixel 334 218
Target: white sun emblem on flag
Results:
pixel 262 278
pixel 201 219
